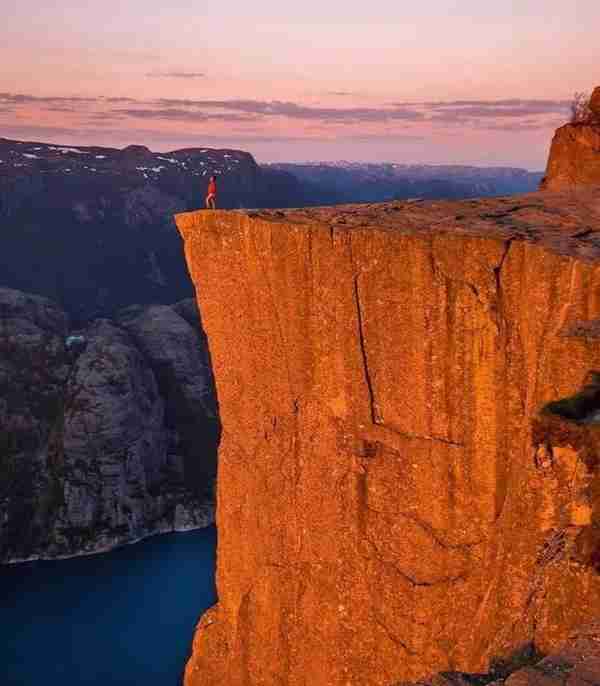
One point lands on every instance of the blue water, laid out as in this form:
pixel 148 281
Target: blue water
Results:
pixel 123 618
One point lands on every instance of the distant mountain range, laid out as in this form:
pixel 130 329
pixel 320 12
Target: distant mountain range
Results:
pixel 340 182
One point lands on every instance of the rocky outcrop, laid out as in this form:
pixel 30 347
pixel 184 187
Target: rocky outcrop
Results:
pixel 94 450
pixel 576 663
pixel 391 504
pixel 574 159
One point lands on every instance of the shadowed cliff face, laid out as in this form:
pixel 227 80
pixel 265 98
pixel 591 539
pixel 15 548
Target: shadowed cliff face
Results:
pixel 97 442
pixel 385 508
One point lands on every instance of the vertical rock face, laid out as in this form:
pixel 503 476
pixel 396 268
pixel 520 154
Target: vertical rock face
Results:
pixel 179 359
pixel 385 508
pixel 97 444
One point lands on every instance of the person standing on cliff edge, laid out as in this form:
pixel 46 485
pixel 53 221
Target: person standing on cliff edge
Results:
pixel 211 196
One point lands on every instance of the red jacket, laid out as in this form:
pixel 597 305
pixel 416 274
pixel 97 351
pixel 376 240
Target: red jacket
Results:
pixel 212 188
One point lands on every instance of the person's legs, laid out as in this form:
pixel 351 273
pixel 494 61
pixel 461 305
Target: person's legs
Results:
pixel 210 202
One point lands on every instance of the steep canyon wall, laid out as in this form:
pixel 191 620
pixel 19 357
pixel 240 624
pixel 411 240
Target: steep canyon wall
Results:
pixel 385 509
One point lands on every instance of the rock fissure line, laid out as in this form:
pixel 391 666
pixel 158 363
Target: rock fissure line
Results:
pixel 394 639
pixel 412 580
pixel 374 411
pixel 395 440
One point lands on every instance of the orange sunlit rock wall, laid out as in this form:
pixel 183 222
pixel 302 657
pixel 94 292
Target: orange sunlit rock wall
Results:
pixel 383 511
pixel 574 159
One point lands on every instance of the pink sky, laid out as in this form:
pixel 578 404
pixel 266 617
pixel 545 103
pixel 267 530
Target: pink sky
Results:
pixel 442 82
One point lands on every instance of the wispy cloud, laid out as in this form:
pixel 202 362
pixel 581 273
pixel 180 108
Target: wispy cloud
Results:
pixel 240 109
pixel 23 99
pixel 119 100
pixel 343 93
pixel 519 126
pixel 291 110
pixel 175 75
pixel 468 110
pixel 62 108
pixel 174 114
pixel 122 118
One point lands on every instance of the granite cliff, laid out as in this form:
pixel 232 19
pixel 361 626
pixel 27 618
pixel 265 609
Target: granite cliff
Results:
pixel 574 159
pixel 409 472
pixel 97 447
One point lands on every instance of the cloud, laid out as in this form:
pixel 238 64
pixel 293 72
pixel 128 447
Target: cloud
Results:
pixel 23 99
pixel 176 75
pixel 472 112
pixel 174 114
pixel 259 118
pixel 60 100
pixel 468 110
pixel 119 99
pixel 342 93
pixel 234 110
pixel 517 126
pixel 291 110
pixel 61 108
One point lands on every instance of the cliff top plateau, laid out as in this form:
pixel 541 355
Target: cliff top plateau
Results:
pixel 566 223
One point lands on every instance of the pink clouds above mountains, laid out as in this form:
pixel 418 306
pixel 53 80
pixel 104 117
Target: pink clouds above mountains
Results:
pixel 440 82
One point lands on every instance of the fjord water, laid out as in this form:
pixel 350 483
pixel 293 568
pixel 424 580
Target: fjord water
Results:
pixel 122 618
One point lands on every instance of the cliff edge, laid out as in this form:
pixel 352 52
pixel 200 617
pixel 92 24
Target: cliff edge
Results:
pixel 391 501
